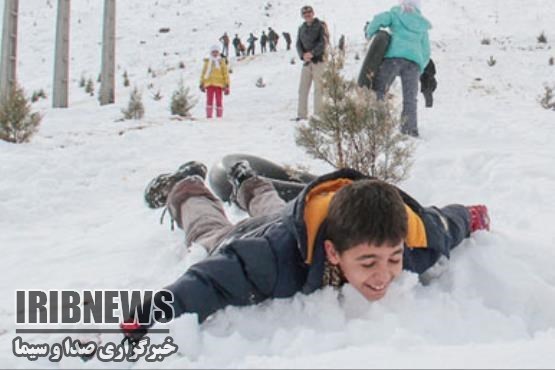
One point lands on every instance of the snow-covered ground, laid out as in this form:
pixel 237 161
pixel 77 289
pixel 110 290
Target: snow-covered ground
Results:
pixel 71 201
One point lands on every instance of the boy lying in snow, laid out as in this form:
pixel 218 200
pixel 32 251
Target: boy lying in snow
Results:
pixel 343 228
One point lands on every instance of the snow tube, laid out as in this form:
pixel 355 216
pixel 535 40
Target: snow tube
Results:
pixel 374 58
pixel 287 183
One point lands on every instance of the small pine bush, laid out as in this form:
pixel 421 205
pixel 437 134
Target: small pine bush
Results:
pixel 135 108
pixel 355 130
pixel 492 61
pixel 126 81
pixel 82 82
pixel 157 96
pixel 182 101
pixel 17 123
pixel 89 87
pixel 547 100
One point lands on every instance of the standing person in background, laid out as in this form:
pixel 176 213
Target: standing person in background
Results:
pixel 273 37
pixel 237 45
pixel 311 47
pixel 407 56
pixel 242 49
pixel 225 45
pixel 341 45
pixel 263 42
pixel 287 38
pixel 214 81
pixel 252 44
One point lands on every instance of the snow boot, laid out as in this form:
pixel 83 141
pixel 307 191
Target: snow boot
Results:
pixel 156 192
pixel 237 175
pixel 240 172
pixel 479 218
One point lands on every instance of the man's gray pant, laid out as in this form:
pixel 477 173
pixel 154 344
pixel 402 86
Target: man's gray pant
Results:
pixel 201 215
pixel 410 77
pixel 311 72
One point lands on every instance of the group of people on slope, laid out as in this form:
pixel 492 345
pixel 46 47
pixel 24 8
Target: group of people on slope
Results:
pixel 267 40
pixel 214 80
pixel 407 57
pixel 342 228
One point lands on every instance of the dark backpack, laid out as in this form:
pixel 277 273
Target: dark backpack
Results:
pixel 428 83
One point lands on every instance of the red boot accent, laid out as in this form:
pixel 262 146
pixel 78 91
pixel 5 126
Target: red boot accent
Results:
pixel 128 327
pixel 133 331
pixel 479 218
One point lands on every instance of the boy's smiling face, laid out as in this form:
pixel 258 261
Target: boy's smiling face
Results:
pixel 367 267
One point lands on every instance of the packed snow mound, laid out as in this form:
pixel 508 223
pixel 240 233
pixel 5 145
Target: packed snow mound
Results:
pixel 72 213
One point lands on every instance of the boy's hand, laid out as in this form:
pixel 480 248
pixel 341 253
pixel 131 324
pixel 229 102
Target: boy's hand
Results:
pixel 202 88
pixel 133 331
pixel 226 90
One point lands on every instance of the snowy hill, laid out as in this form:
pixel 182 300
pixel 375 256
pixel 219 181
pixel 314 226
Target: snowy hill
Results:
pixel 71 201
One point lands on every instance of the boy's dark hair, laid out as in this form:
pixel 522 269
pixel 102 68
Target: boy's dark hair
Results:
pixel 366 211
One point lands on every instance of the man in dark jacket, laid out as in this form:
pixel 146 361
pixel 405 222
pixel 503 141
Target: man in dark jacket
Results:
pixel 342 228
pixel 273 38
pixel 263 42
pixel 311 47
pixel 252 44
pixel 287 38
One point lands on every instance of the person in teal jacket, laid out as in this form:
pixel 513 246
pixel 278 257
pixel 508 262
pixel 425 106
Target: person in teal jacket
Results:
pixel 407 56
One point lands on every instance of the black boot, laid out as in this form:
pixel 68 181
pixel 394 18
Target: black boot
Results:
pixel 238 174
pixel 156 192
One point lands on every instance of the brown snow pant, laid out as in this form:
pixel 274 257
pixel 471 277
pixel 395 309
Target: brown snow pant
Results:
pixel 201 215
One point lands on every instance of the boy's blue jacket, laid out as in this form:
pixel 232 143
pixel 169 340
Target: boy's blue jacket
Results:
pixel 280 255
pixel 409 35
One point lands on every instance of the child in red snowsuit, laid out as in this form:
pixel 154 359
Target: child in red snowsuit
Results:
pixel 214 80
